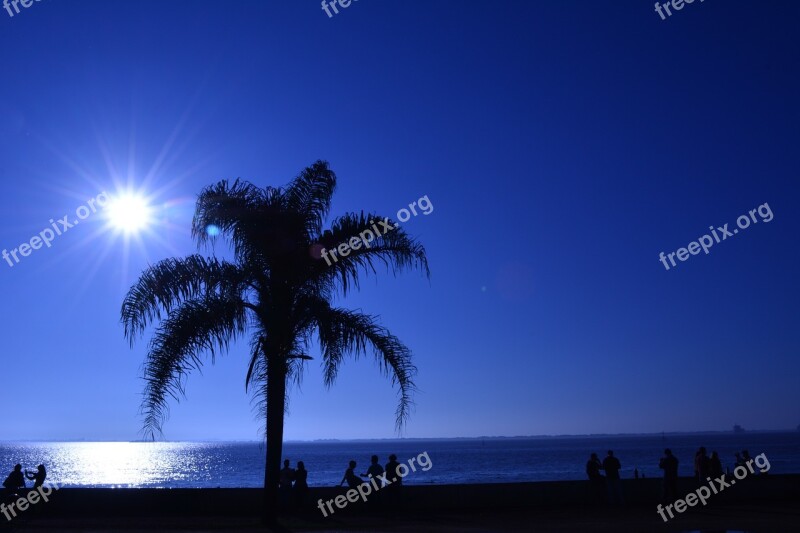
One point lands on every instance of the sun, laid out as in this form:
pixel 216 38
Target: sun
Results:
pixel 129 213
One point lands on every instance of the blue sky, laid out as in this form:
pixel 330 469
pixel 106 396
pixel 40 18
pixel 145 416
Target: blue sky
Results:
pixel 563 145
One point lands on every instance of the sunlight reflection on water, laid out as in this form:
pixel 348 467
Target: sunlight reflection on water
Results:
pixel 120 464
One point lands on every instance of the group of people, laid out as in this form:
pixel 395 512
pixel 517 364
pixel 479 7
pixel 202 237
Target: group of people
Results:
pixel 376 471
pixel 15 481
pixel 293 484
pixel 608 486
pixel 705 466
pixel 386 479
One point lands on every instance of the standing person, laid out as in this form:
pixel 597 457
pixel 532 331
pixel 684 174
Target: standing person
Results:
pixel 38 476
pixel 612 467
pixel 597 482
pixel 669 463
pixel 394 482
pixel 745 457
pixel 353 481
pixel 702 465
pixel 715 466
pixel 285 482
pixel 300 488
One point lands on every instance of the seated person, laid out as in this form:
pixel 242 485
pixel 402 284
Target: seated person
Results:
pixel 38 476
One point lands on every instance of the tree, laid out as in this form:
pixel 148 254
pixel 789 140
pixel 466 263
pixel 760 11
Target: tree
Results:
pixel 277 292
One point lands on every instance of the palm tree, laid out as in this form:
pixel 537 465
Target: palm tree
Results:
pixel 277 291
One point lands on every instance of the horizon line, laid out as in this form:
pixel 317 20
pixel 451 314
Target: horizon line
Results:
pixel 483 437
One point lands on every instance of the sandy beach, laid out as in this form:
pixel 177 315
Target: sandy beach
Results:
pixel 766 504
pixel 754 518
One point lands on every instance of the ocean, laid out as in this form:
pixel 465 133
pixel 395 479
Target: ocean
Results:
pixel 490 460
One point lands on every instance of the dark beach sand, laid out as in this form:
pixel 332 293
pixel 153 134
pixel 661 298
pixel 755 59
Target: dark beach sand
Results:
pixel 760 505
pixel 778 518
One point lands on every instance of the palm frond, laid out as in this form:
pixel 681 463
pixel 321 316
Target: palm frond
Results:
pixel 167 283
pixel 342 332
pixel 238 210
pixel 394 249
pixel 310 194
pixel 196 327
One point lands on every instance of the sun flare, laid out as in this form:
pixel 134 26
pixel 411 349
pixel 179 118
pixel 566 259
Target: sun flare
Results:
pixel 129 213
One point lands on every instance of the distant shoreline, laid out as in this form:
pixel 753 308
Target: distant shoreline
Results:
pixel 439 439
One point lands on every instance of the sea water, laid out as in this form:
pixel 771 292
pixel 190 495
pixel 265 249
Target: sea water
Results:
pixel 241 464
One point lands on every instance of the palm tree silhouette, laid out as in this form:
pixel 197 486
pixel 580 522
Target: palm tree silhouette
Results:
pixel 277 291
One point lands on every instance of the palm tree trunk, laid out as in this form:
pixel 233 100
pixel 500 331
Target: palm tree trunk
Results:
pixel 276 402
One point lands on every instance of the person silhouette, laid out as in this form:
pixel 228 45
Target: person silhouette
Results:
pixel 394 484
pixel 714 466
pixel 612 467
pixel 696 464
pixel 38 477
pixel 392 475
pixel 375 469
pixel 300 484
pixel 702 465
pixel 285 482
pixel 597 481
pixel 739 460
pixel 15 480
pixel 353 481
pixel 669 463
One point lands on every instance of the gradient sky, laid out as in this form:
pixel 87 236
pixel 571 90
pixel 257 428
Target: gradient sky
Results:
pixel 563 144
